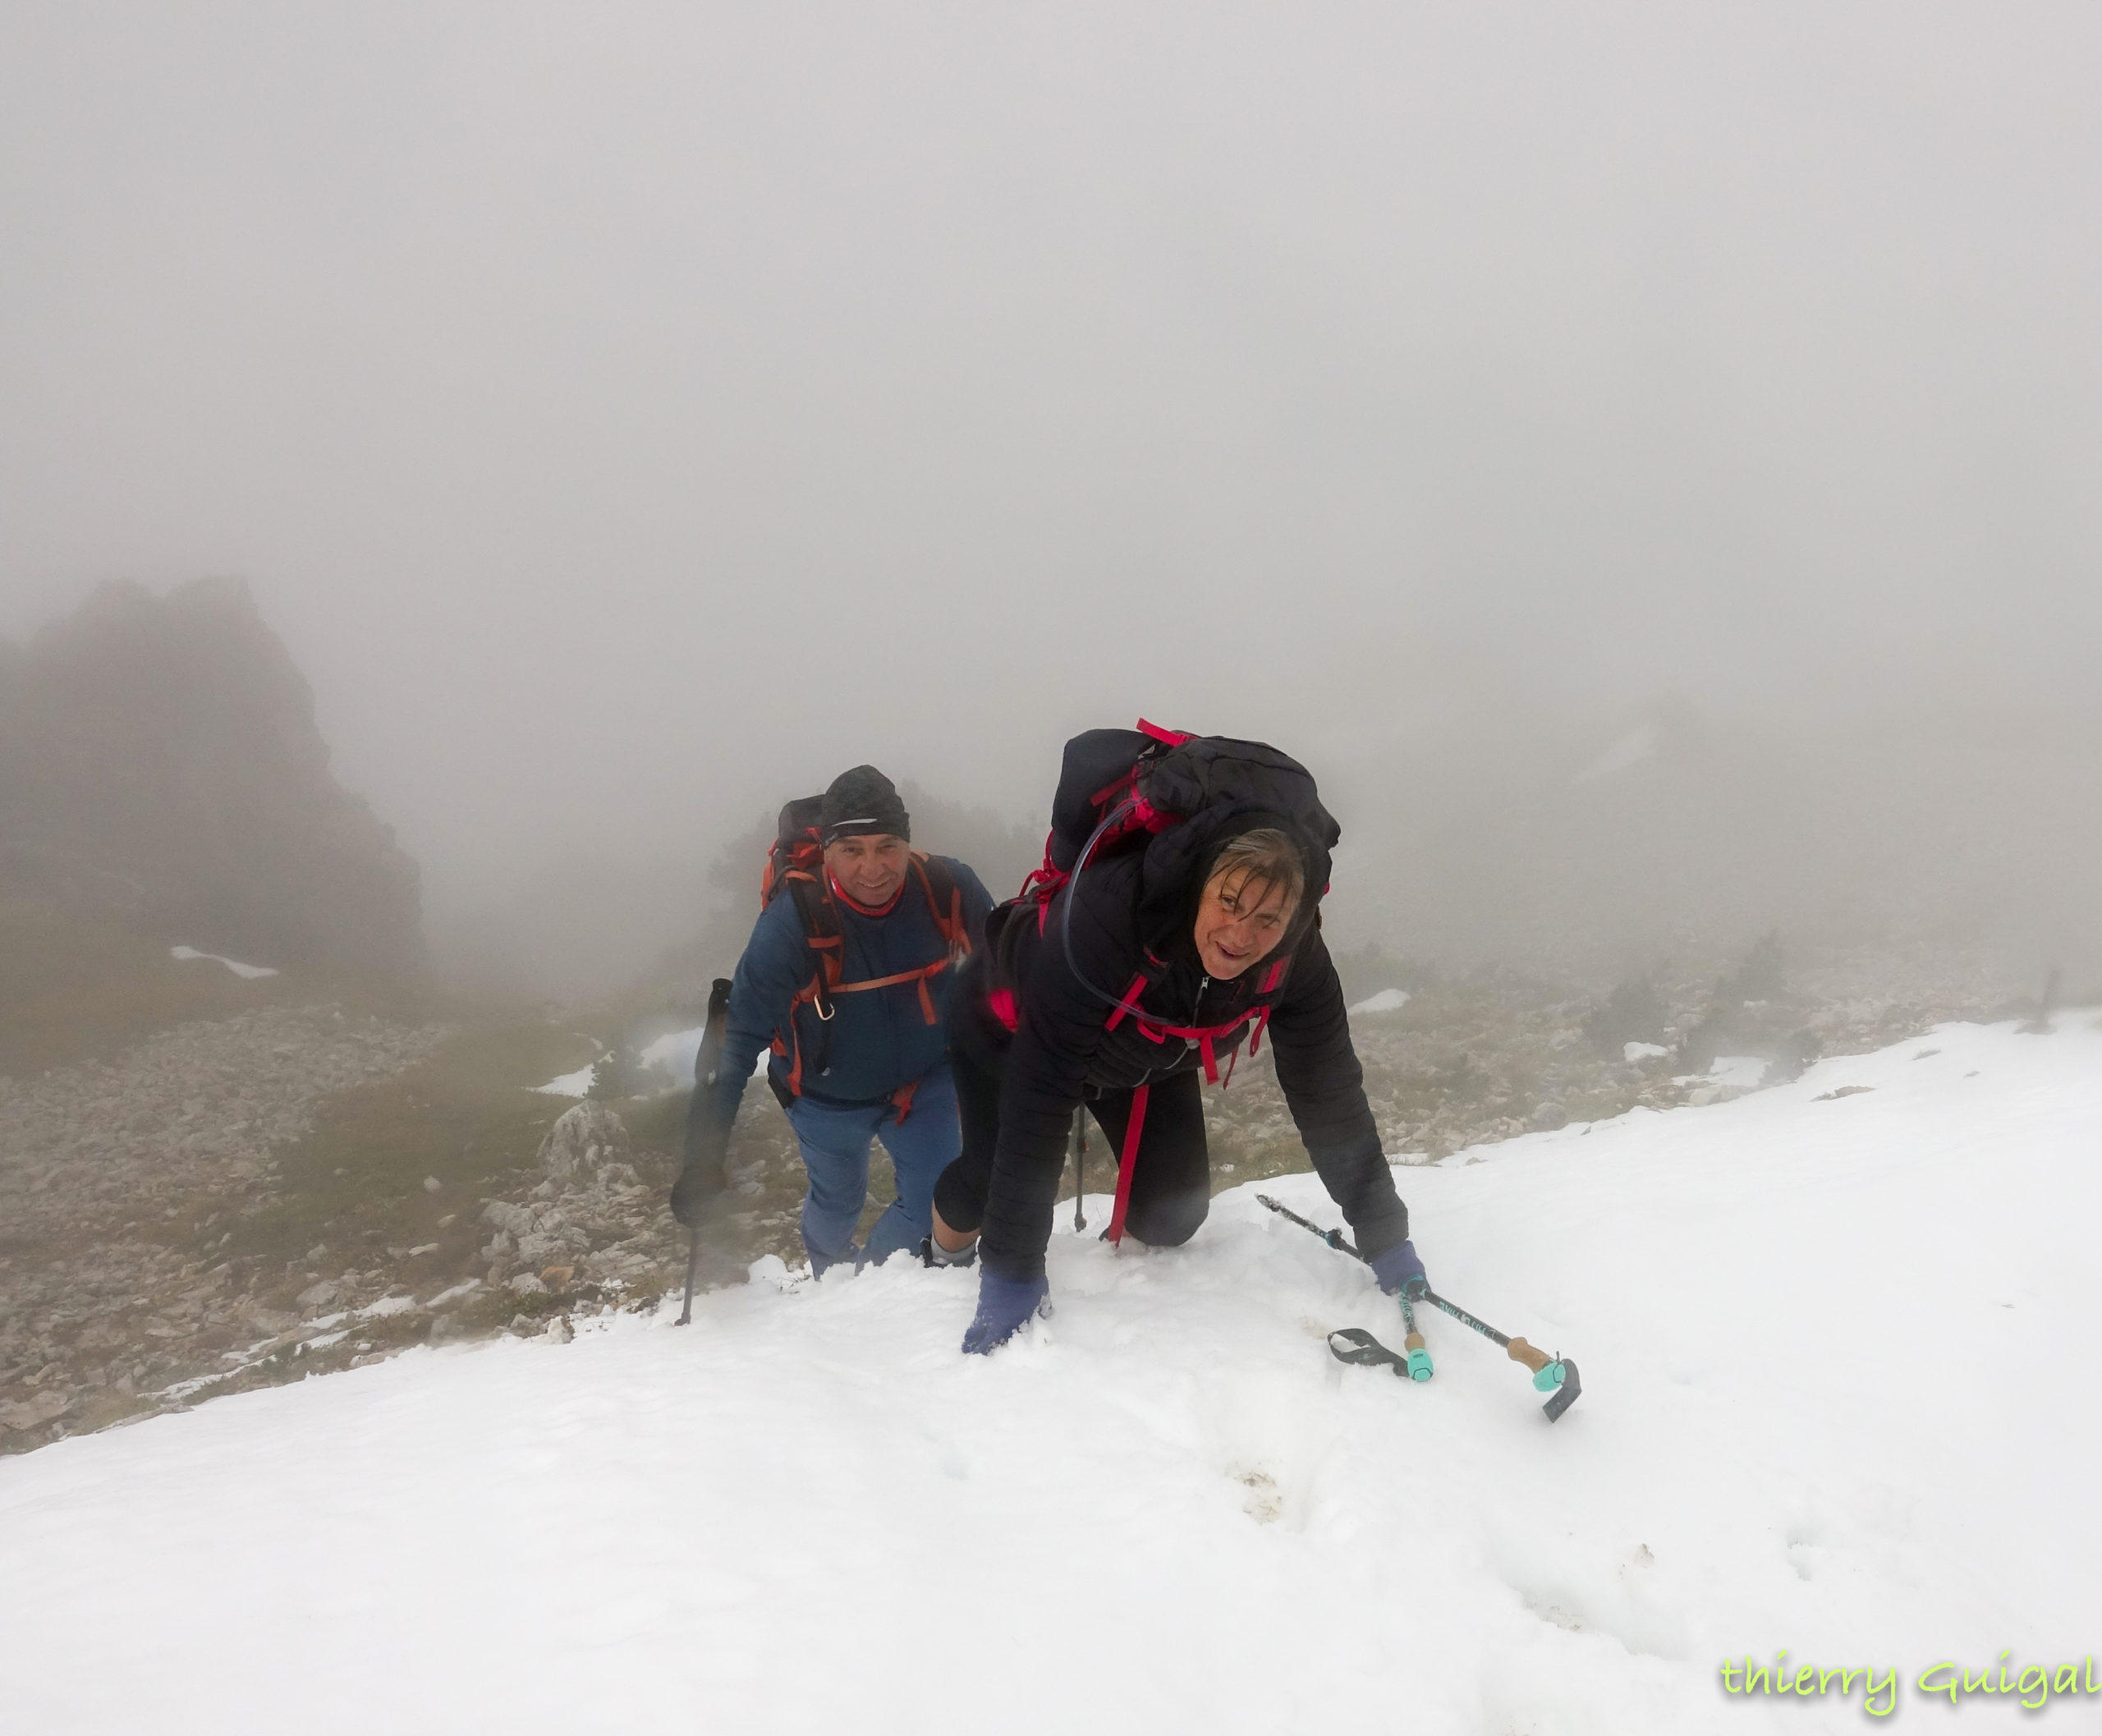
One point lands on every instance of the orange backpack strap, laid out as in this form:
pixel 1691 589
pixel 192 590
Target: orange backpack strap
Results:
pixel 820 922
pixel 944 901
pixel 927 1007
pixel 823 935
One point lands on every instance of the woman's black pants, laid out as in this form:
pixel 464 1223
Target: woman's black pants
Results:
pixel 1171 1181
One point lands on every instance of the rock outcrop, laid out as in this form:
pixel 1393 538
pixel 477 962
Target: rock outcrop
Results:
pixel 582 1140
pixel 591 1218
pixel 160 765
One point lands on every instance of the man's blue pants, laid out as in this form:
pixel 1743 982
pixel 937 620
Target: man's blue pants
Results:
pixel 835 1143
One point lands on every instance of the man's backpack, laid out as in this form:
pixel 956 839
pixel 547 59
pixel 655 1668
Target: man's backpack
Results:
pixel 795 864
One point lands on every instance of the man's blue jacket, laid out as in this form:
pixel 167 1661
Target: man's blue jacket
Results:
pixel 876 1041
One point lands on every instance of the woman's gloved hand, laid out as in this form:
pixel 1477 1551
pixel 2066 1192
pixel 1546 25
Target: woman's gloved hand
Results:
pixel 1004 1306
pixel 1399 1271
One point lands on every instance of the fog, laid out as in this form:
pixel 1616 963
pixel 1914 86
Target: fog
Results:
pixel 1643 460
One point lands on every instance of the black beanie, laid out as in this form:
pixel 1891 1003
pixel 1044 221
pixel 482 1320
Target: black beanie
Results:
pixel 860 802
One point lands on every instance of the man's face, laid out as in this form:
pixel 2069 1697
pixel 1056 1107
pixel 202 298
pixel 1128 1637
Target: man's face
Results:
pixel 869 867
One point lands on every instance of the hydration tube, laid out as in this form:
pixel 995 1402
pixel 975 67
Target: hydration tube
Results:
pixel 1069 891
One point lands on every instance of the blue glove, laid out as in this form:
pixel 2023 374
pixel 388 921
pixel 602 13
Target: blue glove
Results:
pixel 1399 1271
pixel 1004 1306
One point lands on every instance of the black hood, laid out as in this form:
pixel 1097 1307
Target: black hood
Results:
pixel 1226 786
pixel 1178 862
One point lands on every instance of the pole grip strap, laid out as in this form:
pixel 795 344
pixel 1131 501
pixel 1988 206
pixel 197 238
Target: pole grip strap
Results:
pixel 1366 1350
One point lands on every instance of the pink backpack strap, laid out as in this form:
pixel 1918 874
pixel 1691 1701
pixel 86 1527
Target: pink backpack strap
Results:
pixel 1127 1161
pixel 1262 1024
pixel 1129 1003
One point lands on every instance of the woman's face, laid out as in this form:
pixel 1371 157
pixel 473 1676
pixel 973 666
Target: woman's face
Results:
pixel 1239 921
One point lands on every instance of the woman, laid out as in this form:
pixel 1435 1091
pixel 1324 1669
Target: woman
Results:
pixel 1142 977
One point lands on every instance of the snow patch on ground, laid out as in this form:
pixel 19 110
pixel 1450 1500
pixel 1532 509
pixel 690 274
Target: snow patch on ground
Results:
pixel 234 965
pixel 577 1084
pixel 1725 1072
pixel 1738 1073
pixel 671 1055
pixel 674 1052
pixel 1387 1000
pixel 1631 1052
pixel 1833 1352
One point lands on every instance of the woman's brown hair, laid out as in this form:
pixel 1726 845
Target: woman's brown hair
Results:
pixel 1261 859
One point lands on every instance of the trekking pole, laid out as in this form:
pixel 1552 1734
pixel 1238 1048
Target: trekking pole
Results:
pixel 707 1069
pixel 1419 1368
pixel 693 1272
pixel 1556 1374
pixel 1080 1161
pixel 1334 1237
pixel 1366 1349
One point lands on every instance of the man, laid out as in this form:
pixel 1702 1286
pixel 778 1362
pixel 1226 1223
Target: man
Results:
pixel 846 980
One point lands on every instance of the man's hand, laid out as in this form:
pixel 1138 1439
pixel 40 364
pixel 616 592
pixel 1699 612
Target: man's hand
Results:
pixel 1400 1272
pixel 707 1160
pixel 1004 1306
pixel 698 1184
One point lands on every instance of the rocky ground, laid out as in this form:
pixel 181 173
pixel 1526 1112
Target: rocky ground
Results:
pixel 290 1191
pixel 1474 1058
pixel 119 1183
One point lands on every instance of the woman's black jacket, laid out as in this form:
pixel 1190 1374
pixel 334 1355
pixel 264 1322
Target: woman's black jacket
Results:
pixel 1063 1051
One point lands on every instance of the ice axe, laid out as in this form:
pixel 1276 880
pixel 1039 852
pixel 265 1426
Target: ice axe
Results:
pixel 707 1069
pixel 1554 1374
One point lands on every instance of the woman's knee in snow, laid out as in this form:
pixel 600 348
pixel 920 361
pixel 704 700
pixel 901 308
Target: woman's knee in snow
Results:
pixel 958 1202
pixel 1169 1222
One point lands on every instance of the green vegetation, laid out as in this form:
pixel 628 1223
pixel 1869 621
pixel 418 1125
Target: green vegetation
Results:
pixel 1632 1013
pixel 467 1118
pixel 75 987
pixel 1750 1013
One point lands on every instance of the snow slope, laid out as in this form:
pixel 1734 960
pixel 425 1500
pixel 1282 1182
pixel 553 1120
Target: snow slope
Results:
pixel 1837 1400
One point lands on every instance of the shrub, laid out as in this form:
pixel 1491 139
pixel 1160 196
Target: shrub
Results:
pixel 1632 1013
